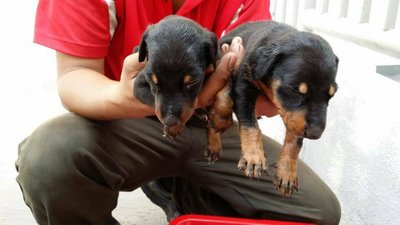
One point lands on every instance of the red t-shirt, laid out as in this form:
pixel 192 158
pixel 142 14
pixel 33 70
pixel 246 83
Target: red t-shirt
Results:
pixel 110 29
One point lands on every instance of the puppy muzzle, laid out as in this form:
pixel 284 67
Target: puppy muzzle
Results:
pixel 313 132
pixel 172 126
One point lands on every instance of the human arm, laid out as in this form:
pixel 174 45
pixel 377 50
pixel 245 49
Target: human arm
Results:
pixel 85 90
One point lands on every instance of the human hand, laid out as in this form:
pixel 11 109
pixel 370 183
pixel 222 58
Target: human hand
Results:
pixel 130 69
pixel 233 54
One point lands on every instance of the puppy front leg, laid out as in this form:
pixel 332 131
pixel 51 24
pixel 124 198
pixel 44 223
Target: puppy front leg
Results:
pixel 214 147
pixel 253 161
pixel 285 179
pixel 220 112
pixel 220 119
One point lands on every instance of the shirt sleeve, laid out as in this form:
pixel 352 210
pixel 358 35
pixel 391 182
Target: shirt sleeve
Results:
pixel 249 11
pixel 80 28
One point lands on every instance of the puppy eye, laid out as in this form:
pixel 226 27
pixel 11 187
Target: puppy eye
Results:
pixel 297 97
pixel 190 84
pixel 295 90
pixel 188 81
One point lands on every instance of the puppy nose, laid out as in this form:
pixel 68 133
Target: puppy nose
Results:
pixel 313 132
pixel 171 121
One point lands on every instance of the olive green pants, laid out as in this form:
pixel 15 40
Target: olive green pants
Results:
pixel 71 170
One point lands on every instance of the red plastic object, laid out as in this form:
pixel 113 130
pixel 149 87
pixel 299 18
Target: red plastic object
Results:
pixel 192 219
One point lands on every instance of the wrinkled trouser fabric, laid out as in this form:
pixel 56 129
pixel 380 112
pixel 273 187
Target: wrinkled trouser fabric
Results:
pixel 71 169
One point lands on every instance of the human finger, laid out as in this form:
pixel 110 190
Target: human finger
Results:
pixel 217 80
pixel 131 66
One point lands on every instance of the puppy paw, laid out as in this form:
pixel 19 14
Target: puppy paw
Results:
pixel 214 147
pixel 285 178
pixel 212 156
pixel 253 164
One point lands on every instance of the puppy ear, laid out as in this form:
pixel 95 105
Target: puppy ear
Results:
pixel 143 52
pixel 337 61
pixel 143 47
pixel 264 59
pixel 211 49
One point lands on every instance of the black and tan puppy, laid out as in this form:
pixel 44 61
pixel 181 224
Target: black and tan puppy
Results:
pixel 178 53
pixel 297 71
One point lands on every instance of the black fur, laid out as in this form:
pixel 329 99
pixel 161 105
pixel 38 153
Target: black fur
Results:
pixel 275 51
pixel 174 48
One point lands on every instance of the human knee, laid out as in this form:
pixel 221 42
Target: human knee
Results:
pixel 330 210
pixel 49 151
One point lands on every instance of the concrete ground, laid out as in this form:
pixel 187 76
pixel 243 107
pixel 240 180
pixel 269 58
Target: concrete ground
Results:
pixel 357 156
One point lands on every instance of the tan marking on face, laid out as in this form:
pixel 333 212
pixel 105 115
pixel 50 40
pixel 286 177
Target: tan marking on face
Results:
pixel 157 109
pixel 332 90
pixel 303 88
pixel 275 84
pixel 154 78
pixel 187 111
pixel 187 79
pixel 274 98
pixel 295 121
pixel 173 131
